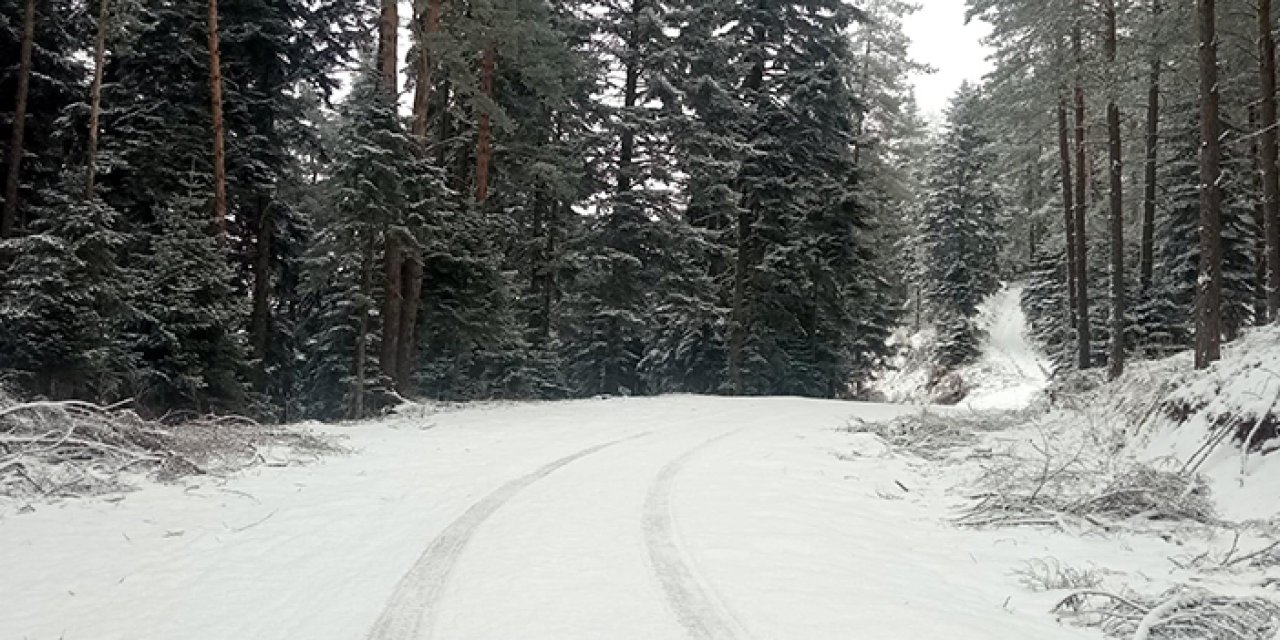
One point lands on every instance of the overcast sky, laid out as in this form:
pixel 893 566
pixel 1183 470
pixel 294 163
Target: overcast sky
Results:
pixel 942 40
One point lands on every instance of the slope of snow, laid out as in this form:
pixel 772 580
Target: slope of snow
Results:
pixel 1172 416
pixel 1009 374
pixel 673 517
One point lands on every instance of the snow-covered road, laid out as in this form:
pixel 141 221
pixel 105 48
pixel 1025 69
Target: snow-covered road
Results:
pixel 1010 371
pixel 662 518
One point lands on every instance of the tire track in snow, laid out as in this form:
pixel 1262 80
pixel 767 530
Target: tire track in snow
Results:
pixel 409 614
pixel 695 607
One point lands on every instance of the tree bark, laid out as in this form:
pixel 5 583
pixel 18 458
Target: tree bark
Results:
pixel 388 40
pixel 422 87
pixel 1147 261
pixel 1085 354
pixel 1068 206
pixel 744 261
pixel 95 97
pixel 484 133
pixel 260 323
pixel 219 132
pixel 627 146
pixel 8 218
pixel 1260 311
pixel 1209 283
pixel 392 306
pixel 411 280
pixel 1269 153
pixel 361 350
pixel 1115 364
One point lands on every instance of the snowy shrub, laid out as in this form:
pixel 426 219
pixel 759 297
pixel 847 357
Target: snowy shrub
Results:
pixel 1048 574
pixel 934 436
pixel 1043 491
pixel 1178 614
pixel 67 448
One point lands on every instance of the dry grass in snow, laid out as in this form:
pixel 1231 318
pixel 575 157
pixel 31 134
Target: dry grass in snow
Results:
pixel 54 449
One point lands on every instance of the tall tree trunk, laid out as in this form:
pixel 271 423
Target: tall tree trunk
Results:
pixel 861 126
pixel 1209 283
pixel 392 306
pixel 745 245
pixel 484 133
pixel 1270 172
pixel 548 272
pixel 8 218
pixel 1115 364
pixel 95 97
pixel 627 146
pixel 1147 262
pixel 361 355
pixel 1085 355
pixel 411 267
pixel 1068 206
pixel 422 88
pixel 219 131
pixel 388 40
pixel 406 358
pixel 260 322
pixel 1260 312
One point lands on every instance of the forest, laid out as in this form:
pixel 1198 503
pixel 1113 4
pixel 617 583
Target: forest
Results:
pixel 318 208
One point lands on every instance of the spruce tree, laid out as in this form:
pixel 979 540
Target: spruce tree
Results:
pixel 805 275
pixel 1164 318
pixel 64 298
pixel 185 316
pixel 378 187
pixel 55 86
pixel 959 233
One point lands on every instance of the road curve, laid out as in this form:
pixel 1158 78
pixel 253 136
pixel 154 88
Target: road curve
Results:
pixel 409 612
pixel 695 607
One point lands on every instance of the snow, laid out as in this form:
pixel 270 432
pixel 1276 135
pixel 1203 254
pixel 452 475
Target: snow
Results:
pixel 638 518
pixel 632 518
pixel 1009 374
pixel 1241 388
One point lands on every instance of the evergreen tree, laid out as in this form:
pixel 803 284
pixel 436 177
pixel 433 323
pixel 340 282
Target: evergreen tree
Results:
pixel 63 299
pixel 183 327
pixel 959 234
pixel 1164 318
pixel 55 89
pixel 805 275
pixel 1045 304
pixel 379 186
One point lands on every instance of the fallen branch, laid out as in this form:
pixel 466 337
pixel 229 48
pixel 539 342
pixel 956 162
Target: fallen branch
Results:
pixel 74 447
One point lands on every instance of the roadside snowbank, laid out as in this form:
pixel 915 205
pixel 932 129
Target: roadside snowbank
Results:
pixel 1167 414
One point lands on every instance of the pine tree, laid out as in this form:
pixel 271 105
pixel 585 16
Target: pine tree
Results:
pixel 379 187
pixel 55 83
pixel 958 232
pixel 1164 318
pixel 617 260
pixel 804 274
pixel 64 297
pixel 1044 302
pixel 185 314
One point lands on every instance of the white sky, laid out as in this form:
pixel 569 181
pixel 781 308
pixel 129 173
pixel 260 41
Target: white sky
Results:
pixel 941 39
